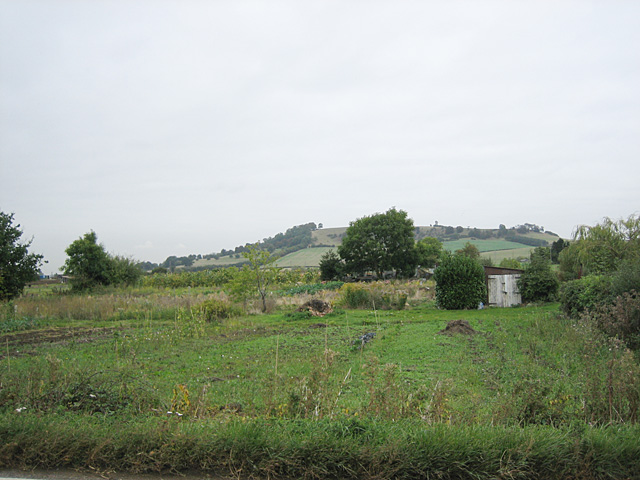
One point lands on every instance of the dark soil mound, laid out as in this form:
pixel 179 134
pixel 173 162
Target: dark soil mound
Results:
pixel 317 308
pixel 455 327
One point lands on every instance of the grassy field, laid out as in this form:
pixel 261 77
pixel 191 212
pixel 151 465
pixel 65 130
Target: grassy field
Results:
pixel 150 386
pixel 492 248
pixel 498 255
pixel 308 257
pixel 328 236
pixel 482 245
pixel 220 262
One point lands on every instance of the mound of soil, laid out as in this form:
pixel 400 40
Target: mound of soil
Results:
pixel 458 327
pixel 316 308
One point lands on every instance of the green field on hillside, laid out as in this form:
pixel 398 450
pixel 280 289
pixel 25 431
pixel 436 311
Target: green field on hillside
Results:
pixel 328 236
pixel 308 257
pixel 494 249
pixel 220 262
pixel 497 256
pixel 482 245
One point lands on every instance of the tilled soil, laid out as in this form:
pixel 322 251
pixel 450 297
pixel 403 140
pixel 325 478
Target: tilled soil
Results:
pixel 54 335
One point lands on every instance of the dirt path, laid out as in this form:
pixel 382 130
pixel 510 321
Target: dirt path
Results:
pixel 53 335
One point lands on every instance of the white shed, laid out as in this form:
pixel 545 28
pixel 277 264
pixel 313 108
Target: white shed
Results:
pixel 502 286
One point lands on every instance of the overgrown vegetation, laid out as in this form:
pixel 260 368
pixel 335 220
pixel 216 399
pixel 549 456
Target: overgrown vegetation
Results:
pixel 604 265
pixel 372 296
pixel 193 385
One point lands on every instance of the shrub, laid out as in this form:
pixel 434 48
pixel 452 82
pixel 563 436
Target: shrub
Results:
pixel 587 293
pixel 579 296
pixel 620 319
pixel 627 277
pixel 538 282
pixel 124 271
pixel 460 283
pixel 216 309
pixel 10 322
pixel 331 266
pixel 396 301
pixel 377 295
pixel 511 263
pixel 354 295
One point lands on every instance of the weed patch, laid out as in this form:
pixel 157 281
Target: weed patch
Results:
pixel 532 394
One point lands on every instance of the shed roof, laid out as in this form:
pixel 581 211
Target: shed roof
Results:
pixel 502 271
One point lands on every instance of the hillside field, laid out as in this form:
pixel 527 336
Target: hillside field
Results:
pixel 497 250
pixel 328 236
pixel 497 256
pixel 308 257
pixel 220 262
pixel 492 245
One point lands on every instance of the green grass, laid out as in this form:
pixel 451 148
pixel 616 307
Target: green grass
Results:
pixel 349 449
pixel 328 236
pixel 532 395
pixel 262 363
pixel 482 245
pixel 308 257
pixel 219 262
pixel 499 255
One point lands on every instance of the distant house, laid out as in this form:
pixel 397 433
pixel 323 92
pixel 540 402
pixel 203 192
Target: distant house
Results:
pixel 502 286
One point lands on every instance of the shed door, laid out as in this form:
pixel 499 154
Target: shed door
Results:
pixel 503 290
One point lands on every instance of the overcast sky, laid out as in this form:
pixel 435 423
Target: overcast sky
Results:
pixel 183 126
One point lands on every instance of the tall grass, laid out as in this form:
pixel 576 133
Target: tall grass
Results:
pixel 318 449
pixel 110 306
pixel 531 395
pixel 383 295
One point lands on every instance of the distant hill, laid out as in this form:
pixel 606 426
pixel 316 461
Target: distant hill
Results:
pixel 303 245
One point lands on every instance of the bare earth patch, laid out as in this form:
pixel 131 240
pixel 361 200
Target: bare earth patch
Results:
pixel 317 308
pixel 56 335
pixel 458 327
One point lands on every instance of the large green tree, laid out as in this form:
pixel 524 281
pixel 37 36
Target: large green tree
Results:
pixel 429 250
pixel 538 282
pixel 602 247
pixel 90 265
pixel 330 266
pixel 17 265
pixel 379 243
pixel 556 248
pixel 469 250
